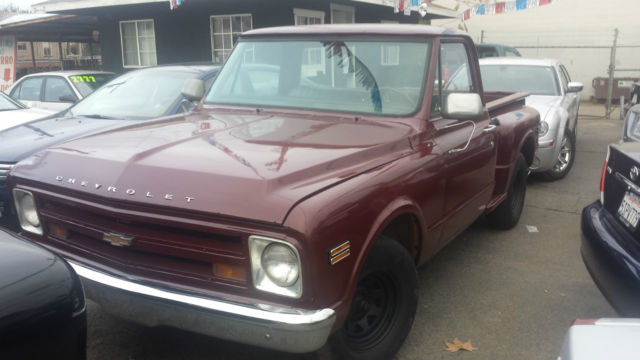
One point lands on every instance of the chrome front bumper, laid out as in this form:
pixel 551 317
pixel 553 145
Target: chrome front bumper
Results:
pixel 279 328
pixel 546 157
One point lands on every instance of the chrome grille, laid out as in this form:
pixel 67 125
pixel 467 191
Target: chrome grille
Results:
pixel 4 171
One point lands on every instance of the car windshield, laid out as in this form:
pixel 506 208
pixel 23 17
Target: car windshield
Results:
pixel 7 104
pixel 87 83
pixel 536 80
pixel 141 94
pixel 359 76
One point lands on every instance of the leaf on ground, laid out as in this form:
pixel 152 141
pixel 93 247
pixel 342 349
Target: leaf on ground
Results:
pixel 457 345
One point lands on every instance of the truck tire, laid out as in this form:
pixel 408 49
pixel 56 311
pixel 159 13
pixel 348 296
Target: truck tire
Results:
pixel 382 309
pixel 565 159
pixel 507 214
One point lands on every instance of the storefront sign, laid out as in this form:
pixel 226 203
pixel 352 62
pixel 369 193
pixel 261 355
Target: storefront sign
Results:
pixel 7 61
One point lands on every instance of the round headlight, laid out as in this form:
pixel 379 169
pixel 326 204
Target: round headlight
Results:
pixel 280 263
pixel 544 129
pixel 29 211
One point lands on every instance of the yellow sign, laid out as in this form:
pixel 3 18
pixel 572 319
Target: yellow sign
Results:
pixel 83 78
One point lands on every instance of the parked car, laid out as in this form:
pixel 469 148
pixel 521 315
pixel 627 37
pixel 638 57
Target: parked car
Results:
pixel 555 97
pixel 13 112
pixel 610 232
pixel 136 96
pixel 495 50
pixel 42 306
pixel 291 211
pixel 601 339
pixel 57 90
pixel 631 127
pixel 634 98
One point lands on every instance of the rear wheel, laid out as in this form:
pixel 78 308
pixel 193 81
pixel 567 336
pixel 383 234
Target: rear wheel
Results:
pixel 507 214
pixel 382 309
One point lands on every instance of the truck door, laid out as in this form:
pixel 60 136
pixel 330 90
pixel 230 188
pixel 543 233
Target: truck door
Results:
pixel 468 145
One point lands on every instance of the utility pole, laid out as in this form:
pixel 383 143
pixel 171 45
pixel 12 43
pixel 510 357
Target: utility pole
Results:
pixel 481 36
pixel 612 70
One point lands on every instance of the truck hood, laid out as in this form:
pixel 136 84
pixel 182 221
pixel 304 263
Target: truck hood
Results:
pixel 248 166
pixel 543 103
pixel 21 141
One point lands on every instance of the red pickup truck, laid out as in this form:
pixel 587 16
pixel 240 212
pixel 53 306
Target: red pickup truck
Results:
pixel 291 208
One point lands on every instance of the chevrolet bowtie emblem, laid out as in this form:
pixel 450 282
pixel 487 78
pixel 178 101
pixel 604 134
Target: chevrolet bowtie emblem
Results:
pixel 116 239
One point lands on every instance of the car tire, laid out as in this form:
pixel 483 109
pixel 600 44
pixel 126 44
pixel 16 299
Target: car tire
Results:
pixel 382 309
pixel 566 158
pixel 507 214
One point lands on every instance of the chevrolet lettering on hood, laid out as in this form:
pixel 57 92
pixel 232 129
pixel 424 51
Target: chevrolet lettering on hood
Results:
pixel 114 189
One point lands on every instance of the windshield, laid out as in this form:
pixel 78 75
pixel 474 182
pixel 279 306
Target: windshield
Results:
pixel 536 80
pixel 87 83
pixel 370 77
pixel 7 104
pixel 137 94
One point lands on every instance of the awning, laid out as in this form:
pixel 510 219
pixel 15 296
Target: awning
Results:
pixel 50 27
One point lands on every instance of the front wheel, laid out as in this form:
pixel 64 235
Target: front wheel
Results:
pixel 565 159
pixel 382 309
pixel 507 214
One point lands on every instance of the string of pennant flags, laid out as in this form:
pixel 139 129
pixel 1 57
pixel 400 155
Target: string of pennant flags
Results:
pixel 502 7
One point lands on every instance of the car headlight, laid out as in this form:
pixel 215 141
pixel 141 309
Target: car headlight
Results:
pixel 275 266
pixel 27 211
pixel 544 129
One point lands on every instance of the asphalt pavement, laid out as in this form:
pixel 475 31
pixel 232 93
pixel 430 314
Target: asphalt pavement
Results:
pixel 512 293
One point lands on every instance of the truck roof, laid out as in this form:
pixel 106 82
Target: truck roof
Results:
pixel 355 29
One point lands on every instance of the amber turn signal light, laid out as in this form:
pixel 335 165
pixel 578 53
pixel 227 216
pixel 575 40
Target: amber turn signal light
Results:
pixel 58 231
pixel 233 272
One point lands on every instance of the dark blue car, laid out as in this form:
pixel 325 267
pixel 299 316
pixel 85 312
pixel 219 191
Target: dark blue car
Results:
pixel 136 96
pixel 611 230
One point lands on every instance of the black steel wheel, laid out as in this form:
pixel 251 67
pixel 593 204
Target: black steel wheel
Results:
pixel 507 214
pixel 382 308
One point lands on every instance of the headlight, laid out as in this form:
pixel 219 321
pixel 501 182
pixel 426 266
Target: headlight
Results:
pixel 275 266
pixel 27 211
pixel 280 264
pixel 544 129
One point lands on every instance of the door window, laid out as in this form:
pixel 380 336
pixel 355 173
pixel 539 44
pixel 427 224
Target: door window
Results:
pixel 30 89
pixel 55 88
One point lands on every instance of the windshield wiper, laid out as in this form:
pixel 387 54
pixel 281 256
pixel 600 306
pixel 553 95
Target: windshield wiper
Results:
pixel 96 116
pixel 38 130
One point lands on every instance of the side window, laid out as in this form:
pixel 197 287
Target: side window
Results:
pixel 15 91
pixel 55 88
pixel 30 89
pixel 508 51
pixel 564 77
pixel 455 70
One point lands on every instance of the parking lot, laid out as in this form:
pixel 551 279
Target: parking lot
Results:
pixel 512 293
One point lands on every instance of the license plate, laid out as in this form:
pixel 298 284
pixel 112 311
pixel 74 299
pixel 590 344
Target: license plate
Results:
pixel 629 210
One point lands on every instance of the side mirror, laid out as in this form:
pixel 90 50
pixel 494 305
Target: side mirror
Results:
pixel 574 86
pixel 463 106
pixel 193 89
pixel 68 98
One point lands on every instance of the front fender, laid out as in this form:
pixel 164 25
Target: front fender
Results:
pixel 358 211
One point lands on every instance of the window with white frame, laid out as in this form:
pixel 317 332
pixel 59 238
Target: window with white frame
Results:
pixel 138 40
pixel 390 55
pixel 308 17
pixel 342 14
pixel 224 33
pixel 46 49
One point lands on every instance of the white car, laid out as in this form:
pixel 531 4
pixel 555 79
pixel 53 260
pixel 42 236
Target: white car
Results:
pixel 601 339
pixel 13 113
pixel 553 95
pixel 57 90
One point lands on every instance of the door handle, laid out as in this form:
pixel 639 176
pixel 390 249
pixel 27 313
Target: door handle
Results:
pixel 490 128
